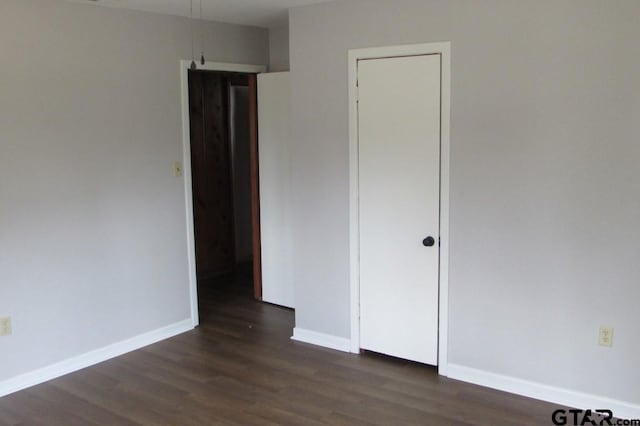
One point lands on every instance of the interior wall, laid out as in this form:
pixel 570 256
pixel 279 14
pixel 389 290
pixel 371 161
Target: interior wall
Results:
pixel 545 193
pixel 240 144
pixel 92 235
pixel 279 47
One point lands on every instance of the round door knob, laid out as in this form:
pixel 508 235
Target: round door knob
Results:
pixel 428 242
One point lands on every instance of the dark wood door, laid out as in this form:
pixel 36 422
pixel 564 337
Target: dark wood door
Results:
pixel 211 173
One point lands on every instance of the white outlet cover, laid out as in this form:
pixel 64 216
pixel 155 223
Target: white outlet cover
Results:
pixel 606 336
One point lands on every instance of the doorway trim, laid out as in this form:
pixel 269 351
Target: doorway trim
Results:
pixel 443 49
pixel 186 166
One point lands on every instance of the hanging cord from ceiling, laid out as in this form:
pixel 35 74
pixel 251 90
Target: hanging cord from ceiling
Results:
pixel 193 56
pixel 202 60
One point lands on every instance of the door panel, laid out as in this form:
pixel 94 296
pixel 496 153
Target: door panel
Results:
pixel 399 188
pixel 275 183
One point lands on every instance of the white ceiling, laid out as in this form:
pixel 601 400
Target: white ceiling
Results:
pixel 261 13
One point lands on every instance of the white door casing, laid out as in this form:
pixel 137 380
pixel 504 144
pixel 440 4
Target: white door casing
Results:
pixel 185 65
pixel 376 250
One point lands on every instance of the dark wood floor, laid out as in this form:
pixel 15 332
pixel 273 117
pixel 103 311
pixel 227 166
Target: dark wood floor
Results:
pixel 241 368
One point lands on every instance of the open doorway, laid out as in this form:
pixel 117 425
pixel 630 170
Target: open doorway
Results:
pixel 224 182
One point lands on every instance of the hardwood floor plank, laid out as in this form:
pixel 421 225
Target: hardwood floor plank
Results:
pixel 41 411
pixel 89 413
pixel 282 416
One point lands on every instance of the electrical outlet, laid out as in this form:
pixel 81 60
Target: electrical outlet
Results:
pixel 177 168
pixel 606 336
pixel 5 326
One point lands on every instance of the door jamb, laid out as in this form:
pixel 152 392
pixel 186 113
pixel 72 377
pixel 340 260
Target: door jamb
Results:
pixel 186 166
pixel 443 49
pixel 254 166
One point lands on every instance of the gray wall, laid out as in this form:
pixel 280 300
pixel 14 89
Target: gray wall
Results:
pixel 279 47
pixel 92 221
pixel 545 192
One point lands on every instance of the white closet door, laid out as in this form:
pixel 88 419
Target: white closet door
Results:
pixel 399 184
pixel 275 188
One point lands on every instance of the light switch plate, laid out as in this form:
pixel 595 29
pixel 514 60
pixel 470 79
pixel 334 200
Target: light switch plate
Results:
pixel 177 168
pixel 5 326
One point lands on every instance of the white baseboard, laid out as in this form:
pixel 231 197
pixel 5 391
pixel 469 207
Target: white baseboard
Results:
pixel 621 409
pixel 321 339
pixel 79 362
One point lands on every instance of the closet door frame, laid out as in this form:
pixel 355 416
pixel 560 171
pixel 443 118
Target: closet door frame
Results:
pixel 354 55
